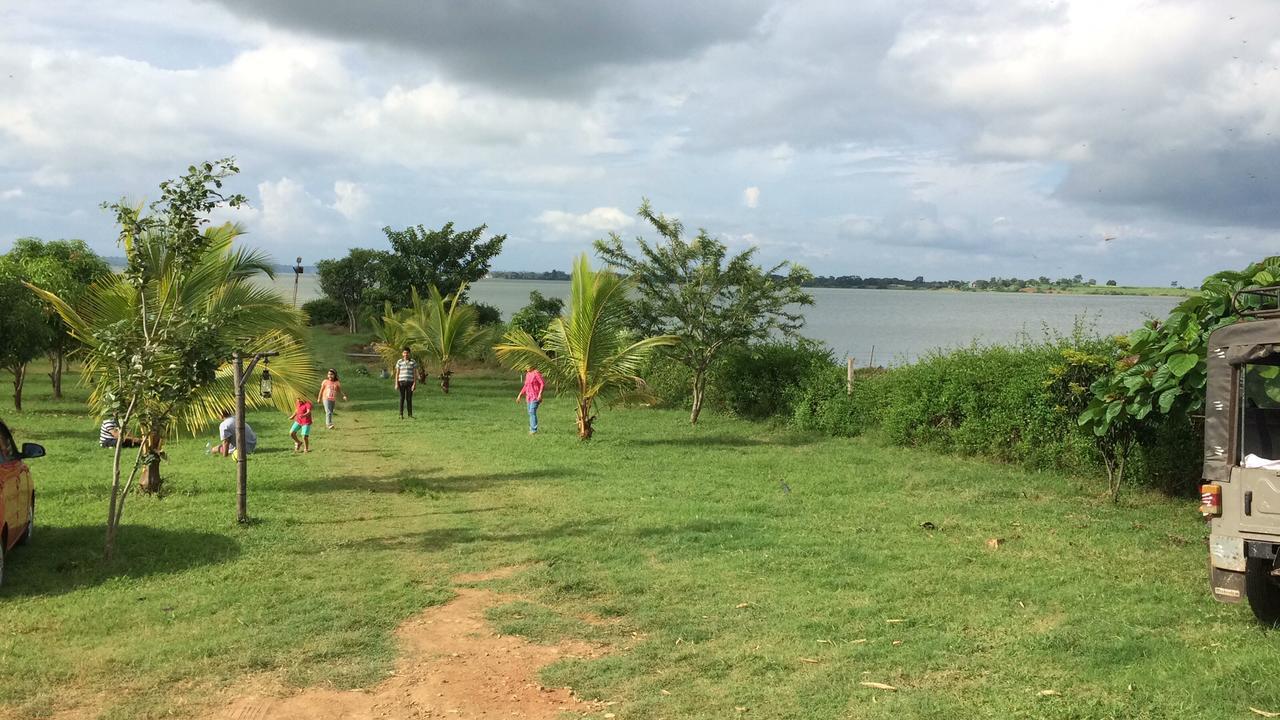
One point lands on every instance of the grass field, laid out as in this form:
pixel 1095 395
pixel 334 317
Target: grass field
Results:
pixel 758 569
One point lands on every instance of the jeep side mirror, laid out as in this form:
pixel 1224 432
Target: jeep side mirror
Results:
pixel 31 451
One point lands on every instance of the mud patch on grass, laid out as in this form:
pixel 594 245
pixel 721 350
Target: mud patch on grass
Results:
pixel 453 664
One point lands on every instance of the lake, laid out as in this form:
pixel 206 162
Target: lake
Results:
pixel 899 325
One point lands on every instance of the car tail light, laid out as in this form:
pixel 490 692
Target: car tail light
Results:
pixel 1211 500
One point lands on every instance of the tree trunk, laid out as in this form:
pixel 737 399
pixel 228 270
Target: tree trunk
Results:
pixel 151 481
pixel 58 360
pixel 113 517
pixel 585 420
pixel 351 320
pixel 19 376
pixel 699 390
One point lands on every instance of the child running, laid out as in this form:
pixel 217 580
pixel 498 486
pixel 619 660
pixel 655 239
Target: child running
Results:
pixel 301 430
pixel 330 389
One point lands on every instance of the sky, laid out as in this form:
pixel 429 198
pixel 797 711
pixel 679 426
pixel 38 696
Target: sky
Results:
pixel 1132 140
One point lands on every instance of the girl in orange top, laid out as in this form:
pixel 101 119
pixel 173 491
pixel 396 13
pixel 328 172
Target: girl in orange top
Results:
pixel 330 389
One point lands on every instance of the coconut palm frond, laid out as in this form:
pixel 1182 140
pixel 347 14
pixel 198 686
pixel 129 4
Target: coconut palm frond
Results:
pixel 293 375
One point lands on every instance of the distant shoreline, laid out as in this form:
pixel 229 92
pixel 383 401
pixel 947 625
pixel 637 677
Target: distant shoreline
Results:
pixel 1113 290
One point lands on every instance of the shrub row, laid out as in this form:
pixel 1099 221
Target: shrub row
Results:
pixel 1016 404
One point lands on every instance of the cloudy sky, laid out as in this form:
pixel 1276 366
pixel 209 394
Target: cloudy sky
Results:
pixel 944 138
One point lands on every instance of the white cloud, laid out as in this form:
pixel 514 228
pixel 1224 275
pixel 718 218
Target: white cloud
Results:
pixel 11 193
pixel 47 177
pixel 351 199
pixel 751 197
pixel 286 212
pixel 596 221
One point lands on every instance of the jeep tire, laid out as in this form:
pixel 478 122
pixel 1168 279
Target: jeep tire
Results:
pixel 1262 590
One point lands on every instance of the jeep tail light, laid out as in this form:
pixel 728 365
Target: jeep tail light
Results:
pixel 1211 500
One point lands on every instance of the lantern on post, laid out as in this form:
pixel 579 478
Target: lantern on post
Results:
pixel 266 378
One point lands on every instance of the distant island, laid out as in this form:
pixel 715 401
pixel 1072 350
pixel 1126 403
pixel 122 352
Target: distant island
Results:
pixel 1076 285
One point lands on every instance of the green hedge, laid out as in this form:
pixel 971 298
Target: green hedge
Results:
pixel 1016 404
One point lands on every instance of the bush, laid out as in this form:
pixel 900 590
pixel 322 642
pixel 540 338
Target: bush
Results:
pixel 822 401
pixel 993 401
pixel 534 317
pixel 325 311
pixel 487 315
pixel 760 380
pixel 668 381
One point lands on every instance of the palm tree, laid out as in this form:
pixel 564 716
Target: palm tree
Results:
pixel 588 350
pixel 158 341
pixel 391 335
pixel 445 329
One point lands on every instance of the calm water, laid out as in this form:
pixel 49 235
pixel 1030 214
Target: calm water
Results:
pixel 899 324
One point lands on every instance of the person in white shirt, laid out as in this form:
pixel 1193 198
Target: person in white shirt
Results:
pixel 227 433
pixel 406 381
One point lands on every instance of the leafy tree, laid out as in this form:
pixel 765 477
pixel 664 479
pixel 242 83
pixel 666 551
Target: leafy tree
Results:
pixel 445 258
pixel 159 336
pixel 24 329
pixel 67 268
pixel 1111 283
pixel 1165 370
pixel 691 289
pixel 590 350
pixel 354 281
pixel 445 329
pixel 537 315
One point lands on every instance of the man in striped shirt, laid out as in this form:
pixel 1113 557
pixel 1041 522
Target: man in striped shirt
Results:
pixel 406 381
pixel 109 433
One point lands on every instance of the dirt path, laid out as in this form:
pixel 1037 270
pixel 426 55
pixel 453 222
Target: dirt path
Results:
pixel 453 665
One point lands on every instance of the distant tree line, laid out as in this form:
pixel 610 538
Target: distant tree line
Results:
pixel 520 275
pixel 1011 284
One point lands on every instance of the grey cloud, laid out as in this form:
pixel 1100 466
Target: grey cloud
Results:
pixel 1237 185
pixel 527 45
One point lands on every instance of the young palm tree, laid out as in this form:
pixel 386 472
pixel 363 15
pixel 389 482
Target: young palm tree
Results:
pixel 158 343
pixel 445 329
pixel 391 335
pixel 589 350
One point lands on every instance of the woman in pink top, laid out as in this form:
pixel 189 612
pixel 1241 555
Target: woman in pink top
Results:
pixel 532 392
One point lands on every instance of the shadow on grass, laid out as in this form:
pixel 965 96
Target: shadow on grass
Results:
pixel 64 559
pixel 698 532
pixel 383 518
pixel 729 441
pixel 422 482
pixel 444 538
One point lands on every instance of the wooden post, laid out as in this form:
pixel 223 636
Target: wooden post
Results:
pixel 242 468
pixel 848 382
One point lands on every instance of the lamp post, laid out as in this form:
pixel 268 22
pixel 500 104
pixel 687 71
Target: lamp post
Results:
pixel 297 275
pixel 241 373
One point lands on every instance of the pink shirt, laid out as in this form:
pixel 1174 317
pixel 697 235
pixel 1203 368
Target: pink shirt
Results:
pixel 532 390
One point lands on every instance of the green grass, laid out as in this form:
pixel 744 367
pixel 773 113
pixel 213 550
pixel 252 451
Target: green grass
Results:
pixel 648 538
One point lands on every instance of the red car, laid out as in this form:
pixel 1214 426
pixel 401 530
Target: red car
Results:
pixel 17 493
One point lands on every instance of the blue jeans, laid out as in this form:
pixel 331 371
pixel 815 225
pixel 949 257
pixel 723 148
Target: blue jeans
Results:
pixel 533 415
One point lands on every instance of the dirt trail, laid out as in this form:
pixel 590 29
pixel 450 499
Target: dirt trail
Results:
pixel 453 665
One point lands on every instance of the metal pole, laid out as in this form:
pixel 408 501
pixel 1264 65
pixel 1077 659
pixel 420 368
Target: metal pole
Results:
pixel 297 275
pixel 242 468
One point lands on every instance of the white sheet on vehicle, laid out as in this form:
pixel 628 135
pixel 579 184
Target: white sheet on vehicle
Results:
pixel 1253 461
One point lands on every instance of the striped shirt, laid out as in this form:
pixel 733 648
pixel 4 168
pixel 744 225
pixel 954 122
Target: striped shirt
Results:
pixel 406 370
pixel 106 436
